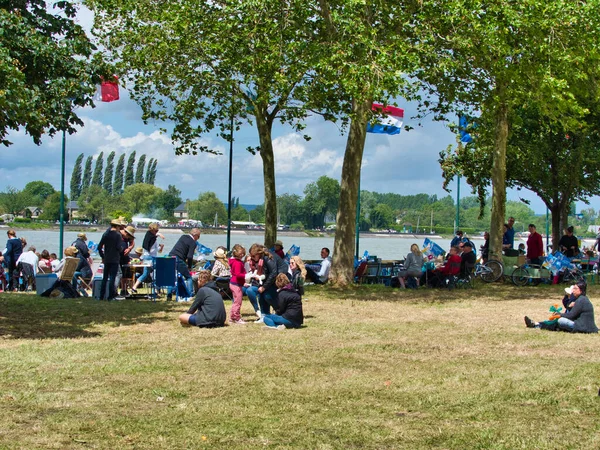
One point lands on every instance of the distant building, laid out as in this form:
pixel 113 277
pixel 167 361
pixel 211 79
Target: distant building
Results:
pixel 31 212
pixel 181 212
pixel 73 209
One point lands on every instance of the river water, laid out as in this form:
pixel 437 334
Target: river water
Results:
pixel 389 247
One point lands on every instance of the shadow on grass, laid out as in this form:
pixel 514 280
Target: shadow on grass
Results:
pixel 499 291
pixel 25 316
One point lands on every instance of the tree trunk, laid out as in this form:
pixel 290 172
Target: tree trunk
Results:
pixel 498 175
pixel 555 210
pixel 342 269
pixel 266 153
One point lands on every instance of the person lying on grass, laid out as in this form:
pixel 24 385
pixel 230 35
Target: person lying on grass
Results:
pixel 208 309
pixel 579 317
pixel 289 309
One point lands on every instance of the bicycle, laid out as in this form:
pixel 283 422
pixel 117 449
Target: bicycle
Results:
pixel 490 271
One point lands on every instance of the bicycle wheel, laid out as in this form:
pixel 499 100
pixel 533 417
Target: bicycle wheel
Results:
pixel 572 276
pixel 520 276
pixel 493 270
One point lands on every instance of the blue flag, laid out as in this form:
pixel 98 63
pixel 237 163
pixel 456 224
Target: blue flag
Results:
pixel 431 248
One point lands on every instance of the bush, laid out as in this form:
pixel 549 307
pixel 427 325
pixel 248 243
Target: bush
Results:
pixel 297 226
pixel 22 220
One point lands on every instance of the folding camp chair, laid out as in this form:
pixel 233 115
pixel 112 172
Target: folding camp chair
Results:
pixel 164 274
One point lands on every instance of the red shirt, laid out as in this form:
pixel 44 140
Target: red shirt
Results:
pixel 452 266
pixel 535 246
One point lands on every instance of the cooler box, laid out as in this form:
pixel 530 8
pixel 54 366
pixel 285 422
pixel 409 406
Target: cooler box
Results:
pixel 96 284
pixel 44 281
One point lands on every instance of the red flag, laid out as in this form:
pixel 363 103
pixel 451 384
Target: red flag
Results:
pixel 110 89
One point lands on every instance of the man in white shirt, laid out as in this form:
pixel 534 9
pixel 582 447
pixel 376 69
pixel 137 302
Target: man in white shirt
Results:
pixel 322 276
pixel 28 265
pixel 29 257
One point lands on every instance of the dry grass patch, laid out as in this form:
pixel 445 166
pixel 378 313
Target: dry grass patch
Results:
pixel 372 368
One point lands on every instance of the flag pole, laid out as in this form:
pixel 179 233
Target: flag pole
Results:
pixel 62 196
pixel 230 176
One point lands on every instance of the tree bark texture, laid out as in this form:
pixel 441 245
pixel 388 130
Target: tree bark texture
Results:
pixel 342 269
pixel 268 160
pixel 498 176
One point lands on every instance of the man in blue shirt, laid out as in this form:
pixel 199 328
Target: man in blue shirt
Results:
pixel 509 234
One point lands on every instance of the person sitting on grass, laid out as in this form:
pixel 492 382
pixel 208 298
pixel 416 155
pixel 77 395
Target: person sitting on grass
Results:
pixel 289 311
pixel 208 309
pixel 298 273
pixel 579 317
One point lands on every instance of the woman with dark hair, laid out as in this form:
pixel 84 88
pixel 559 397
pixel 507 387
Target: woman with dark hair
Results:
pixel 262 263
pixel 11 253
pixel 579 317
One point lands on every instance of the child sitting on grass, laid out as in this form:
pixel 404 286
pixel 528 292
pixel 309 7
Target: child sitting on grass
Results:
pixel 208 309
pixel 289 310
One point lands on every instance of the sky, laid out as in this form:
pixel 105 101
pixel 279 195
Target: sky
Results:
pixel 404 164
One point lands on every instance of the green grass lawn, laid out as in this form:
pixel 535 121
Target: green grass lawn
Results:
pixel 373 368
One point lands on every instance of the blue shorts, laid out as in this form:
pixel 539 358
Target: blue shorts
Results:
pixel 192 320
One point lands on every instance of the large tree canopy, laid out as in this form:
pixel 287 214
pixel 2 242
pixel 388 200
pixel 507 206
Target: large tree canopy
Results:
pixel 493 58
pixel 45 68
pixel 214 65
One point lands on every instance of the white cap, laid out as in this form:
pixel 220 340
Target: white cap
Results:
pixel 569 290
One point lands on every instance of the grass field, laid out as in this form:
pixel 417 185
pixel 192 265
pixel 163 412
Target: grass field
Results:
pixel 373 368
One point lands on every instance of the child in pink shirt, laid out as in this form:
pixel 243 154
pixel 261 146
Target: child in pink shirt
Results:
pixel 238 278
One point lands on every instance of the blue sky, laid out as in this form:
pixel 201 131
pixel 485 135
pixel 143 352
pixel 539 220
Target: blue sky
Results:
pixel 404 164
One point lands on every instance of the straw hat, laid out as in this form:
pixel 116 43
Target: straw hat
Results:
pixel 139 250
pixel 279 243
pixel 71 251
pixel 82 236
pixel 220 253
pixel 116 222
pixel 130 231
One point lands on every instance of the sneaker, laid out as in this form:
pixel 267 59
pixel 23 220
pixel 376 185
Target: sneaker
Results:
pixel 238 322
pixel 281 327
pixel 134 290
pixel 529 323
pixel 119 298
pixel 258 314
pixel 278 327
pixel 261 319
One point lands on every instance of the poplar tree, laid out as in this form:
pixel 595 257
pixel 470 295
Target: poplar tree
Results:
pixel 119 175
pixel 153 172
pixel 149 171
pixel 87 174
pixel 76 178
pixel 139 172
pixel 97 178
pixel 129 177
pixel 108 173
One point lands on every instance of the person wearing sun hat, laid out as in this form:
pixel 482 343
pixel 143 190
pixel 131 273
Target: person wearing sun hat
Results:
pixel 128 236
pixel 81 245
pixel 109 249
pixel 278 249
pixel 150 250
pixel 221 267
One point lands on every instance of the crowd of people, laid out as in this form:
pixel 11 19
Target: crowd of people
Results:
pixel 20 265
pixel 272 282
